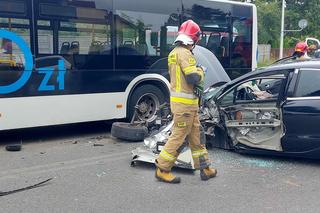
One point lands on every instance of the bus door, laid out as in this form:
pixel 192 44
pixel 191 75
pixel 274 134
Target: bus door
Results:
pixel 81 33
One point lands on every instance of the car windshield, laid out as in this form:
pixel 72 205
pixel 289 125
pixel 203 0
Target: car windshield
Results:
pixel 213 92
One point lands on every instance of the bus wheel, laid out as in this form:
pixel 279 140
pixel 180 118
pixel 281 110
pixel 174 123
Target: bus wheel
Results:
pixel 146 99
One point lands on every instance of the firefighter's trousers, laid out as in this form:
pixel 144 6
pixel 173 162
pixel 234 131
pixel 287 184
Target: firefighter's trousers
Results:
pixel 186 131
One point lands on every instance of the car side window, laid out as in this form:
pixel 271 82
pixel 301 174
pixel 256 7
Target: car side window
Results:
pixel 308 84
pixel 227 99
pixel 258 89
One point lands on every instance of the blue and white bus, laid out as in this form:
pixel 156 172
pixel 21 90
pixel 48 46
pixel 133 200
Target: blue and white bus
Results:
pixel 113 53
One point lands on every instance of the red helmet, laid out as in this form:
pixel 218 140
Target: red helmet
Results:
pixel 301 47
pixel 191 29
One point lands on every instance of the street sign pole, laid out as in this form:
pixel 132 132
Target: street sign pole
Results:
pixel 282 30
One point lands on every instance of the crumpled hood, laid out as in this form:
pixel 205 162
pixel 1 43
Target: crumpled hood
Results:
pixel 215 72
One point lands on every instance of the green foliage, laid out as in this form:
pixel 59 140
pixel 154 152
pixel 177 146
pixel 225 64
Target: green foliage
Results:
pixel 303 9
pixel 269 20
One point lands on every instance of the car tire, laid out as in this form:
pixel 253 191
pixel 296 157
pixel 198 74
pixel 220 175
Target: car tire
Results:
pixel 148 98
pixel 128 131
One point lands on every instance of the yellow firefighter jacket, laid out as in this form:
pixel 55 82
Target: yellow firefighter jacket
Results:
pixel 181 62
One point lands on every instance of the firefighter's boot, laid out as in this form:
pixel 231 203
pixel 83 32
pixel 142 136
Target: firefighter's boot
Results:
pixel 167 177
pixel 207 173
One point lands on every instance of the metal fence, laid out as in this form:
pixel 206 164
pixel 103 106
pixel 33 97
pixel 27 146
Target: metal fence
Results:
pixel 267 54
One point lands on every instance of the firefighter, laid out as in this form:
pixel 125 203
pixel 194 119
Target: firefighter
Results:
pixel 300 51
pixel 312 50
pixel 186 82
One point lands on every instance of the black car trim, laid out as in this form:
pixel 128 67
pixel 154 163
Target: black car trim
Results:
pixel 291 83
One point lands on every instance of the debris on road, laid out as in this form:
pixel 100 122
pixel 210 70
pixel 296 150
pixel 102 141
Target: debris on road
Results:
pixel 99 175
pixel 153 146
pixel 13 147
pixel 24 188
pixel 100 137
pixel 98 144
pixel 293 183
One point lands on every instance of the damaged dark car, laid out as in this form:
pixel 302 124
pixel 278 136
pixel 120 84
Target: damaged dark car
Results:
pixel 270 111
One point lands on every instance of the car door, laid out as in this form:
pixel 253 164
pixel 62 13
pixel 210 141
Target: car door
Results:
pixel 301 112
pixel 251 113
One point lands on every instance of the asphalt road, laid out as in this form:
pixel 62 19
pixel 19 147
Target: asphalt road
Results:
pixel 92 173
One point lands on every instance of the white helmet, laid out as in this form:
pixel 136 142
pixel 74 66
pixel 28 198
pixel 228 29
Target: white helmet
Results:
pixel 186 40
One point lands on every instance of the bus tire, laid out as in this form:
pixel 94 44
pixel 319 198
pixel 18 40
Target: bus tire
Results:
pixel 128 131
pixel 148 98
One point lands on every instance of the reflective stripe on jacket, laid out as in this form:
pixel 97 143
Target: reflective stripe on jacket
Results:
pixel 181 62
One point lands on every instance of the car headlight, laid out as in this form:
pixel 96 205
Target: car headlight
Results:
pixel 150 142
pixel 162 136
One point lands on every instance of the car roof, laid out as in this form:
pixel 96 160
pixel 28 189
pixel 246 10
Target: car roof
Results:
pixel 292 65
pixel 295 64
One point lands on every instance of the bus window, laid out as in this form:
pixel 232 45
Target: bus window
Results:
pixel 10 53
pixel 13 18
pixel 74 27
pixel 242 45
pixel 217 41
pixel 17 8
pixel 214 22
pixel 227 31
pixel 84 38
pixel 45 37
pixel 134 38
pixel 146 28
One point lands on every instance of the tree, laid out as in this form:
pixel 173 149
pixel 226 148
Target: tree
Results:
pixel 269 20
pixel 269 16
pixel 303 9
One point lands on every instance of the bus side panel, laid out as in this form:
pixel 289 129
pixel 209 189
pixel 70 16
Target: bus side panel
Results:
pixel 26 112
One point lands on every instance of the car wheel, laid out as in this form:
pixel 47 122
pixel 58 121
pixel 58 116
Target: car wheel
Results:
pixel 128 131
pixel 147 99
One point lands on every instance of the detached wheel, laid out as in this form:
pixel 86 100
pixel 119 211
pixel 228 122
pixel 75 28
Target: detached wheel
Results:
pixel 128 131
pixel 13 147
pixel 148 99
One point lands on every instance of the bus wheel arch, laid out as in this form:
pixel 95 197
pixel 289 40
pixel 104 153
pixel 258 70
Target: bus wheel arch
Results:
pixel 148 95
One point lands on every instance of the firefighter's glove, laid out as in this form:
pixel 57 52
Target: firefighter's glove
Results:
pixel 204 69
pixel 202 72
